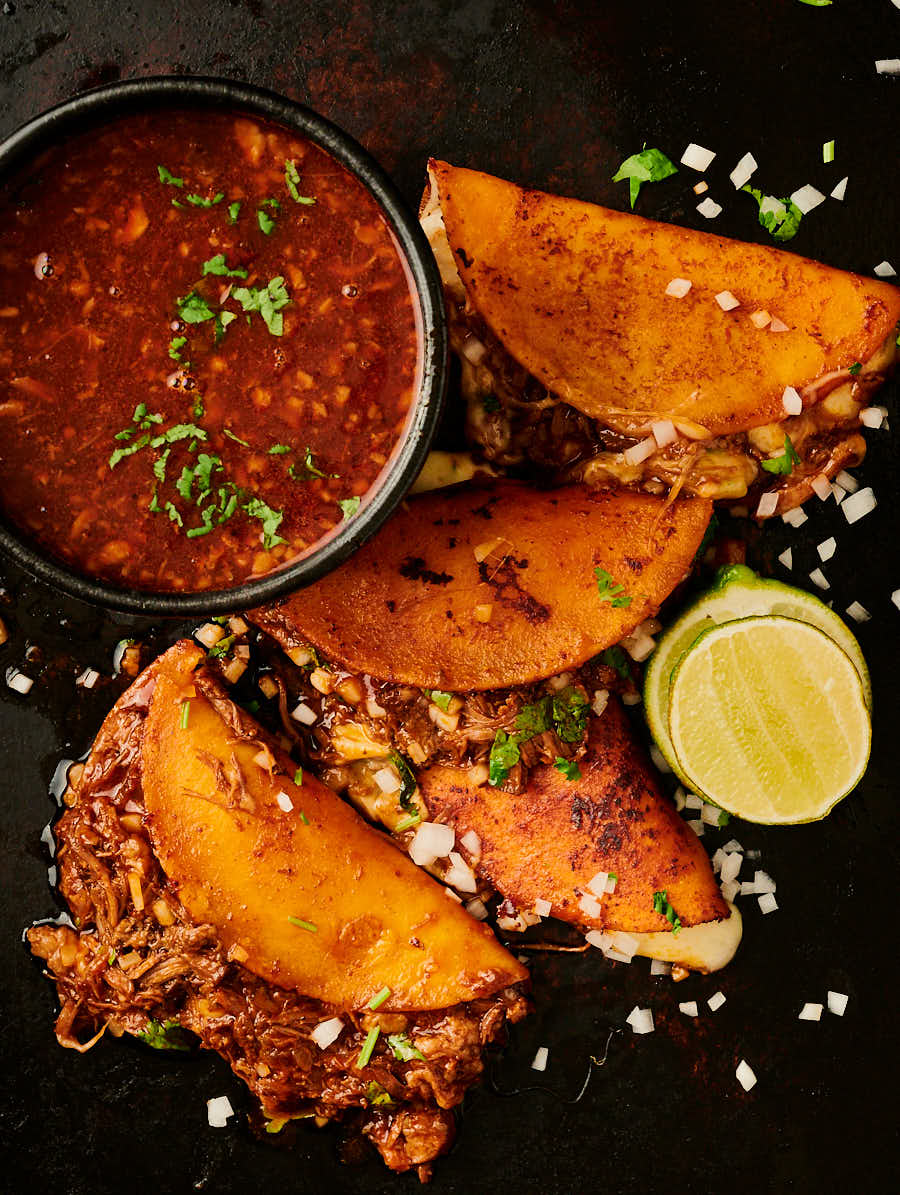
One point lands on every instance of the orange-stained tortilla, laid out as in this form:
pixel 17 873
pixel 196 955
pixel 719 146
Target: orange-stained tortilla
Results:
pixel 417 606
pixel 549 841
pixel 245 865
pixel 576 294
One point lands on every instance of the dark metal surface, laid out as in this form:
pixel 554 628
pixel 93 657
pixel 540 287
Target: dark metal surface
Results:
pixel 552 95
pixel 112 100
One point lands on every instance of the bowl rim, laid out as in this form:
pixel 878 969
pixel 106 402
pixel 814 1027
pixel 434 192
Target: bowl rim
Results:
pixel 105 103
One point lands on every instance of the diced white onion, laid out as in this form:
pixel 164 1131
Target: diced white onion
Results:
pixel 597 884
pixel 778 325
pixel 473 350
pixel 692 801
pixel 625 944
pixel 841 189
pixel 302 713
pixel 598 939
pixel 796 517
pixel 18 681
pixel 847 481
pixel 748 888
pixel 598 705
pixel 710 814
pixel 827 548
pixel 819 579
pixel 837 1003
pixel 460 875
pixel 759 319
pixel 639 646
pixel 786 558
pixel 697 157
pixel 387 780
pixel 731 866
pixel 327 1032
pixel 540 1059
pixel 476 908
pixel 839 492
pixel 689 1008
pixel 658 967
pixel 768 504
pixel 542 907
pixel 745 1075
pixel 640 1020
pixel 872 416
pixel 791 401
pixel 887 66
pixel 611 883
pixel 659 760
pixel 709 208
pixel 590 906
pixel 678 288
pixel 733 845
pixel 375 710
pixel 810 1012
pixel 664 432
pixel 767 902
pixel 858 612
pixel 457 899
pixel 730 889
pixel 640 451
pixel 716 1001
pixel 764 882
pixel 742 172
pixel 88 678
pixel 717 860
pixel 806 198
pixel 284 802
pixel 679 797
pixel 884 269
pixel 432 840
pixel 218 1111
pixel 821 486
pixel 727 301
pixel 859 504
pixel 697 826
pixel 471 842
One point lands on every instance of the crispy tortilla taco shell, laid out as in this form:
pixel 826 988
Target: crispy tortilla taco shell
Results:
pixel 551 840
pixel 576 294
pixel 244 864
pixel 494 586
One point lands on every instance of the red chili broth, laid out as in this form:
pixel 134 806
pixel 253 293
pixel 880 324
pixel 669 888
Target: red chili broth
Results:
pixel 94 256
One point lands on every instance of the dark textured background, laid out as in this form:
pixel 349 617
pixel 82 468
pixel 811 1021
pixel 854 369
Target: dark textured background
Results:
pixel 553 95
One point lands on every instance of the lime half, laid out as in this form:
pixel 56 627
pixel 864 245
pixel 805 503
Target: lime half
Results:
pixel 737 592
pixel 768 719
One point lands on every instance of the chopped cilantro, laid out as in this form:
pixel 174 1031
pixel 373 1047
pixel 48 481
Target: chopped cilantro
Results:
pixel 569 711
pixel 194 309
pixel 198 410
pixel 174 514
pixel 218 266
pixel 377 1097
pixel 349 506
pixel 379 998
pixel 780 217
pixel 292 180
pixel 855 368
pixel 268 302
pixel 724 818
pixel 135 446
pixel 159 465
pixel 440 698
pixel 785 462
pixel 661 905
pixel 223 319
pixel 649 166
pixel 491 403
pixel 266 222
pixel 167 1035
pixel 403 1048
pixel 184 484
pixel 219 649
pixel 110 958
pixel 534 718
pixel 609 591
pixel 301 924
pixel 307 469
pixel 304 818
pixel 204 469
pixel 280 449
pixel 231 436
pixel 817 3
pixel 406 823
pixel 165 176
pixel 199 201
pixel 366 1052
pixel 504 756
pixel 271 520
pixel 233 212
pixel 179 431
pixel 175 345
pixel 407 783
pixel 298 777
pixel 614 657
pixel 568 767
pixel 185 714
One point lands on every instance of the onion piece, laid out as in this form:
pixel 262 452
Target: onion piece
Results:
pixel 764 882
pixel 884 269
pixel 431 841
pixel 387 780
pixel 702 186
pixel 727 301
pixel 697 157
pixel 778 325
pixel 598 705
pixel 810 1012
pixel 887 66
pixel 303 714
pixel 742 172
pixel 659 760
pixel 640 1020
pixel 858 612
pixel 640 452
pixel 543 908
pixel 767 902
pixel 471 842
pixel 664 432
pixel 760 318
pixel 837 1003
pixel 709 208
pixel 658 967
pixel 716 1001
pixel 786 558
pixel 284 802
pixel 18 681
pixel 827 548
pixel 697 826
pixel 678 288
pixel 692 801
pixel 540 1059
pixel 218 1110
pixel 872 416
pixel 796 517
pixel 730 889
pixel 689 1008
pixel 791 401
pixel 857 505
pixel 477 908
pixel 806 198
pixel 847 481
pixel 327 1032
pixel 768 504
pixel 821 486
pixel 731 865
pixel 819 579
pixel 745 1076
pixel 841 189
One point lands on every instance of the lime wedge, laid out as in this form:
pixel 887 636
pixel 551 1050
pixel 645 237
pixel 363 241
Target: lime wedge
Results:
pixel 737 592
pixel 768 719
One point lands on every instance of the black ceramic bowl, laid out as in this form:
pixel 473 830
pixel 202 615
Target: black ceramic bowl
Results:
pixel 107 103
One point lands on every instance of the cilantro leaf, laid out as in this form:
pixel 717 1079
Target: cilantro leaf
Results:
pixel 165 176
pixel 568 767
pixel 649 166
pixel 609 591
pixel 174 514
pixel 279 449
pixel 504 756
pixel 226 431
pixel 614 657
pixel 816 3
pixel 167 1035
pixel 440 698
pixel 194 309
pixel 661 905
pixel 407 783
pixel 130 450
pixel 159 465
pixel 780 217
pixel 266 223
pixel 234 211
pixel 533 719
pixel 175 345
pixel 855 369
pixel 184 484
pixel 199 201
pixel 491 403
pixel 377 1096
pixel 307 469
pixel 349 506
pixel 271 520
pixel 569 711
pixel 218 265
pixel 204 469
pixel 403 1048
pixel 724 818
pixel 179 431
pixel 291 181
pixel 784 463
pixel 223 319
pixel 268 302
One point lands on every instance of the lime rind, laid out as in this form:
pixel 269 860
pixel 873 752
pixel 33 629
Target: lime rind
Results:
pixel 802 810
pixel 736 592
